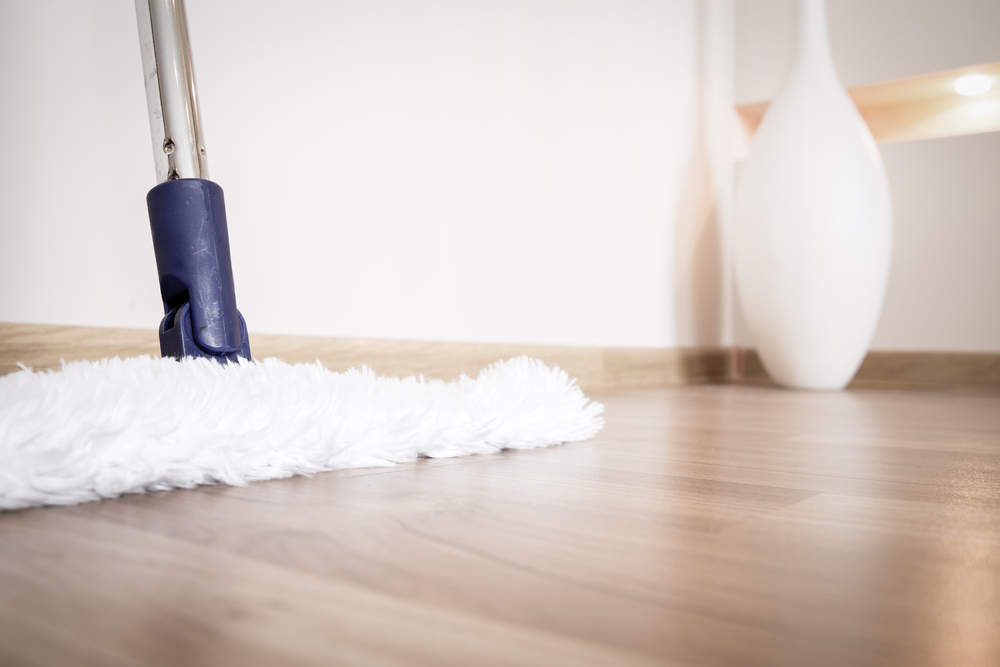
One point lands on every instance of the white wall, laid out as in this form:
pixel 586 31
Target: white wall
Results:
pixel 488 170
pixel 944 290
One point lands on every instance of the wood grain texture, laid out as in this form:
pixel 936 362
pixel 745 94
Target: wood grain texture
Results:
pixel 707 525
pixel 43 346
pixel 918 107
pixel 904 370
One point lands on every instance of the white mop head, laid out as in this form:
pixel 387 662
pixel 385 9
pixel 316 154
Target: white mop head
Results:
pixel 101 429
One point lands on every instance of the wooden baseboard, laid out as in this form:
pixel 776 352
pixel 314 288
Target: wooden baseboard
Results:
pixel 42 346
pixel 904 370
pixel 594 368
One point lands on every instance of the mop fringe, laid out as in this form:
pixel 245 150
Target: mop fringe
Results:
pixel 101 429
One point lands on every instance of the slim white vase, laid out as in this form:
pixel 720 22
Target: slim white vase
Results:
pixel 813 224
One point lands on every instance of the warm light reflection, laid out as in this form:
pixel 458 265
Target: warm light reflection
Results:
pixel 974 84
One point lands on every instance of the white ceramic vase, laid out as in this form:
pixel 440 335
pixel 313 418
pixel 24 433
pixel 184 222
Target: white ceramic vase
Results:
pixel 813 224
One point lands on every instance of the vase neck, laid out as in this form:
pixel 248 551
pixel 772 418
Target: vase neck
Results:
pixel 812 47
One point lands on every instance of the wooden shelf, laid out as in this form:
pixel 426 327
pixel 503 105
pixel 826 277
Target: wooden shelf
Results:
pixel 917 107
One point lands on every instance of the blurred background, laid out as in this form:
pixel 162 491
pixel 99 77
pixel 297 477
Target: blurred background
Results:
pixel 543 171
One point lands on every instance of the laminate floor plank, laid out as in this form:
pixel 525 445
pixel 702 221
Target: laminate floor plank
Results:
pixel 706 525
pixel 162 601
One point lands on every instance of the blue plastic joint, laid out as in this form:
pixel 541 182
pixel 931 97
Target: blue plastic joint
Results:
pixel 191 241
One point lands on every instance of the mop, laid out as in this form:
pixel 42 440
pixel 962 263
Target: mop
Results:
pixel 206 412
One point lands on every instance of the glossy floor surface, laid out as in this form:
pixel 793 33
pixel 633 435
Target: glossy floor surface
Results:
pixel 706 525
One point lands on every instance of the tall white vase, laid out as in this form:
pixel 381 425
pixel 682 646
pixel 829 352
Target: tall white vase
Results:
pixel 813 224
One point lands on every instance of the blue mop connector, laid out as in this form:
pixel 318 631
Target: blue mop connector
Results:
pixel 191 242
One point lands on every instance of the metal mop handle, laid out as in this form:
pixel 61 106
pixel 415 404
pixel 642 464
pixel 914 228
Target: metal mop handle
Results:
pixel 171 94
pixel 187 213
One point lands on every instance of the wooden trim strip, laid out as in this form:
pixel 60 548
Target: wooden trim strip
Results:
pixel 905 370
pixel 917 107
pixel 42 346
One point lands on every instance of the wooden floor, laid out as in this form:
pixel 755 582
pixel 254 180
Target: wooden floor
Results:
pixel 706 525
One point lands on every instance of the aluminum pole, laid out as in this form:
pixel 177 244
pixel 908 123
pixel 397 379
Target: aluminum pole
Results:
pixel 171 94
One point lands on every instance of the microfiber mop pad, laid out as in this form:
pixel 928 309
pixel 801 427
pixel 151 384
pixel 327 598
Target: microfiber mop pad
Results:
pixel 102 429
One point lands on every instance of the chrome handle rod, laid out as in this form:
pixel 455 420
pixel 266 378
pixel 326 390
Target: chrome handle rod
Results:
pixel 171 94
